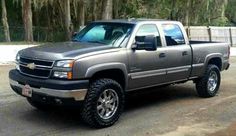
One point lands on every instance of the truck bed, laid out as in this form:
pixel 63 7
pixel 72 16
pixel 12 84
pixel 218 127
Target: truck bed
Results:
pixel 201 51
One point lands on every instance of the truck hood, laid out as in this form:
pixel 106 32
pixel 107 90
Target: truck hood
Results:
pixel 63 50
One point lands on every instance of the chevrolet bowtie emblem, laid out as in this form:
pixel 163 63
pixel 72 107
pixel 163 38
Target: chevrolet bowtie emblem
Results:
pixel 31 66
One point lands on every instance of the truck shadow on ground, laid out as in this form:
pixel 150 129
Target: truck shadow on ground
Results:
pixel 158 95
pixel 64 118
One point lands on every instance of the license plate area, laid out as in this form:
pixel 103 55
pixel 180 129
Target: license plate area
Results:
pixel 27 91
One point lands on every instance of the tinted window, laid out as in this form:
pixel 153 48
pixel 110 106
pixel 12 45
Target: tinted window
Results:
pixel 173 34
pixel 104 33
pixel 145 30
pixel 97 33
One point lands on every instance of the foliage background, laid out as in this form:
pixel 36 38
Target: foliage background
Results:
pixel 48 16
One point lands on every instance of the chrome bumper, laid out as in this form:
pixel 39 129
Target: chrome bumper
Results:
pixel 78 95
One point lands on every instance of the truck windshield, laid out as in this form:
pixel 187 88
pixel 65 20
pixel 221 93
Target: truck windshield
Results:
pixel 112 34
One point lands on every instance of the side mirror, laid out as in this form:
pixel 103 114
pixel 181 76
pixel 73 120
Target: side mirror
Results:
pixel 74 34
pixel 148 43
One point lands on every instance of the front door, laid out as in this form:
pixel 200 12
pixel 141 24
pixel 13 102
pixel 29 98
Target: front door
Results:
pixel 147 68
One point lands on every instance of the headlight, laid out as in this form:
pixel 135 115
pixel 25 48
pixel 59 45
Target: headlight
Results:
pixel 17 57
pixel 63 69
pixel 17 61
pixel 64 63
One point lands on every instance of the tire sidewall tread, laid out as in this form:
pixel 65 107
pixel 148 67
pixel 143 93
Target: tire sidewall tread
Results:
pixel 201 84
pixel 89 111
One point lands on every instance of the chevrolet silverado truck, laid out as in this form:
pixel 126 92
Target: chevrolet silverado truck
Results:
pixel 107 59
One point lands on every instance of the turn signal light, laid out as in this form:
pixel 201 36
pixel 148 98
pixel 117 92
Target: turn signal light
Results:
pixel 69 75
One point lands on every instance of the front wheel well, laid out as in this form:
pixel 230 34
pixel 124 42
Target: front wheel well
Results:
pixel 216 61
pixel 115 74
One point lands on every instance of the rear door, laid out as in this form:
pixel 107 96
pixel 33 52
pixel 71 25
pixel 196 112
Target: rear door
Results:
pixel 177 52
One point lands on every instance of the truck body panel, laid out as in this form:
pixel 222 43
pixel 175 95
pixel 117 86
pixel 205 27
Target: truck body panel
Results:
pixel 187 60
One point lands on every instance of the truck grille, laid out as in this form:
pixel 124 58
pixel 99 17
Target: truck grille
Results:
pixel 36 62
pixel 41 69
pixel 35 72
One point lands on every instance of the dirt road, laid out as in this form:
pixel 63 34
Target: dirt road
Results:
pixel 172 111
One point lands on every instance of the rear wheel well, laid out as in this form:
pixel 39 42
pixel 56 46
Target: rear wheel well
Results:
pixel 115 74
pixel 216 61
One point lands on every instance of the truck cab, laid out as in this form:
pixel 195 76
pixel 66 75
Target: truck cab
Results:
pixel 171 42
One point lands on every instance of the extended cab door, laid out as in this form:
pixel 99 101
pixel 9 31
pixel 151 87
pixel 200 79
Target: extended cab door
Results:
pixel 145 66
pixel 177 52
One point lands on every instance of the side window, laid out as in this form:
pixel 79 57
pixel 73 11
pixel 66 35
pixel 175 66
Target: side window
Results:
pixel 151 29
pixel 173 34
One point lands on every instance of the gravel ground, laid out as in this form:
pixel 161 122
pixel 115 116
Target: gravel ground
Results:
pixel 172 111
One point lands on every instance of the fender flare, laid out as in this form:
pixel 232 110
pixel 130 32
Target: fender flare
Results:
pixel 107 66
pixel 211 56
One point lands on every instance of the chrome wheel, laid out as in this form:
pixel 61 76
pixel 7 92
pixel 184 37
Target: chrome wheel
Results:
pixel 212 81
pixel 107 104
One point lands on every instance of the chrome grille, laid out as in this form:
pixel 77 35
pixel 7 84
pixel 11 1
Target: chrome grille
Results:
pixel 36 62
pixel 42 68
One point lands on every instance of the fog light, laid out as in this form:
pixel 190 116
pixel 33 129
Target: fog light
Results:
pixel 59 74
pixel 58 101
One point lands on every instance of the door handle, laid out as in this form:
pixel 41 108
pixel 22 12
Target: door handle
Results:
pixel 162 55
pixel 184 53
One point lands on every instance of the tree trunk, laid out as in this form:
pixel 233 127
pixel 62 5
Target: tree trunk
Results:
pixel 107 9
pixel 94 10
pixel 115 9
pixel 187 20
pixel 171 17
pixel 68 23
pixel 49 13
pixel 81 13
pixel 27 20
pixel 208 12
pixel 5 23
pixel 224 5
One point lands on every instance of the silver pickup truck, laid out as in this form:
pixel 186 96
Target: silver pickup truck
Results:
pixel 109 58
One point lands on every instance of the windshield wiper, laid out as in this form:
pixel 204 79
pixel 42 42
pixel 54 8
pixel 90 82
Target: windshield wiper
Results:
pixel 113 42
pixel 75 40
pixel 121 37
pixel 100 42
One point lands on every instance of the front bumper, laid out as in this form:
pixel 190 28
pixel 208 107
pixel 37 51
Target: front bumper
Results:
pixel 58 89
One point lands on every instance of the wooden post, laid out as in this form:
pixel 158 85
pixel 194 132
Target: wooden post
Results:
pixel 188 32
pixel 230 37
pixel 209 33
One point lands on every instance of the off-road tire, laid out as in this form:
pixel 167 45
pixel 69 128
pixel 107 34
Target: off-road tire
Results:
pixel 89 109
pixel 201 83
